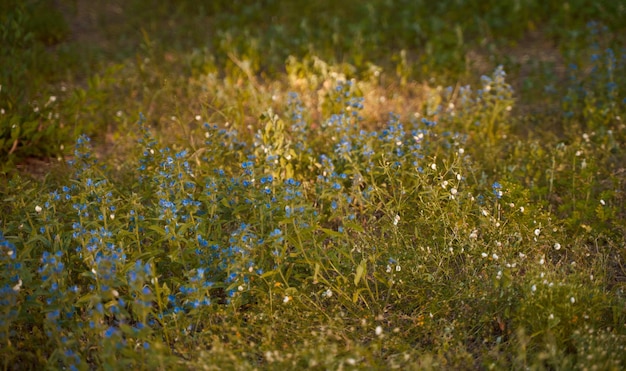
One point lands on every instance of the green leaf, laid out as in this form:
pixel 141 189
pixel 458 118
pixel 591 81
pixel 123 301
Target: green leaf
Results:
pixel 360 270
pixel 160 231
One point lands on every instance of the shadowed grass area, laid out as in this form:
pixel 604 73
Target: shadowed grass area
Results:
pixel 279 185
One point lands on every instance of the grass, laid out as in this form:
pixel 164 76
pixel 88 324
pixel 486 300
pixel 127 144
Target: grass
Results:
pixel 270 186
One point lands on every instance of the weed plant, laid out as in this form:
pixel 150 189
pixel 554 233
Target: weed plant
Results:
pixel 246 222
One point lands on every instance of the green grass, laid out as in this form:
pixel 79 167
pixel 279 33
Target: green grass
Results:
pixel 280 185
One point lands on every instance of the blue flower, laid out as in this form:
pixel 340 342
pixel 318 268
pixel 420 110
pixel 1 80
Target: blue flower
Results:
pixel 497 189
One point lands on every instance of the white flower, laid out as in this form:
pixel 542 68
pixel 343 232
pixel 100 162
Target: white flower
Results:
pixel 396 219
pixel 379 330
pixel 286 299
pixel 602 202
pixel 484 254
pixel 453 191
pixel 572 300
pixel 198 117
pixel 461 151
pixel 533 288
pixel 537 232
pixel 494 256
pixel 557 246
pixel 38 209
pixel 112 216
pixel 433 166
pixel 521 209
pixel 18 286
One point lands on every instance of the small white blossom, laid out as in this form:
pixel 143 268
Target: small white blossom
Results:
pixel 572 300
pixel 38 209
pixel 461 151
pixel 453 191
pixel 537 232
pixel 379 330
pixel 557 246
pixel 602 202
pixel 198 117
pixel 484 254
pixel 433 166
pixel 396 219
pixel 533 288
pixel 18 286
pixel 494 256
pixel 286 299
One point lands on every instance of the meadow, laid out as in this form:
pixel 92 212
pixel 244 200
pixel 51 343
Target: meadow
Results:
pixel 313 185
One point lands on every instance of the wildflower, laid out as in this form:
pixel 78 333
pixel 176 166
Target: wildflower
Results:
pixel 18 286
pixel 396 219
pixel 38 209
pixel 497 189
pixel 533 288
pixel 602 202
pixel 572 300
pixel 379 330
pixel 557 246
pixel 537 232
pixel 433 166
